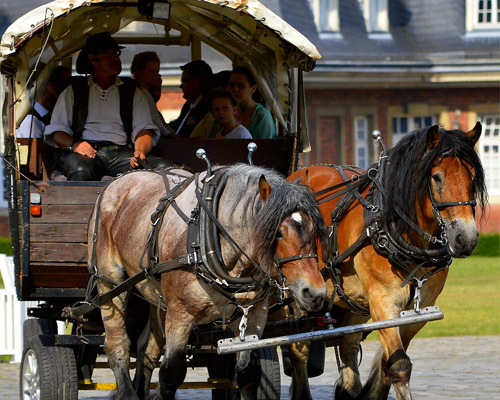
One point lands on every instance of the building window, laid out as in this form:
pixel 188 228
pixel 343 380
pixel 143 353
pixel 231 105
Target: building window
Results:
pixel 326 15
pixel 483 15
pixel 361 150
pixel 376 15
pixel 489 151
pixel 405 124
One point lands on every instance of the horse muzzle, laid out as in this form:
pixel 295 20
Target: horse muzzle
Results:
pixel 462 238
pixel 310 298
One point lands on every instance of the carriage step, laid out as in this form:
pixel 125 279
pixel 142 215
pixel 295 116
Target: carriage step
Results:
pixel 221 383
pixel 252 342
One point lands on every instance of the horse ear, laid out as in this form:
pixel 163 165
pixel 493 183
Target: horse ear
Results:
pixel 432 137
pixel 264 188
pixel 475 132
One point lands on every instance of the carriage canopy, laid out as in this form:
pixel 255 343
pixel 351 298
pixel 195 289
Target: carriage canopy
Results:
pixel 244 31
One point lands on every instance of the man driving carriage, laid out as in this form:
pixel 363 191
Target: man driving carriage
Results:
pixel 102 122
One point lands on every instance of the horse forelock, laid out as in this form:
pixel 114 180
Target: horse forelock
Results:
pixel 409 169
pixel 285 199
pixel 242 181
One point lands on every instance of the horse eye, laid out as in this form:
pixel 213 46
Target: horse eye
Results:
pixel 279 235
pixel 436 178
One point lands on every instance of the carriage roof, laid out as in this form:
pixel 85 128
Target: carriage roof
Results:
pixel 244 31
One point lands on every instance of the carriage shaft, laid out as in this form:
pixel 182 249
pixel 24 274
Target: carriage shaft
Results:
pixel 227 346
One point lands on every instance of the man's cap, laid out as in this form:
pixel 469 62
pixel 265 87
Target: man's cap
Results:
pixel 100 41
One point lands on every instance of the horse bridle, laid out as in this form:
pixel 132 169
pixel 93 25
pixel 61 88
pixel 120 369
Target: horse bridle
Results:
pixel 437 205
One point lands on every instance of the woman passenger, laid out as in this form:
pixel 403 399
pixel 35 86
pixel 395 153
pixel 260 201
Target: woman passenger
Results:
pixel 252 115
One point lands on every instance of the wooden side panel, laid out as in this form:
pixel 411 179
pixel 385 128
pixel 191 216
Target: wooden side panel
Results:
pixel 58 237
pixel 58 233
pixel 71 214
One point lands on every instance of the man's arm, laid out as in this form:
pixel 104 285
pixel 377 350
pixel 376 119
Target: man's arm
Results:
pixel 142 146
pixel 64 141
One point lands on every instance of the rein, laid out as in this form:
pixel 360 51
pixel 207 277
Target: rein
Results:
pixel 401 254
pixel 203 248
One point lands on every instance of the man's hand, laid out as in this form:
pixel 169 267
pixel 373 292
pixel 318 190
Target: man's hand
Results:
pixel 85 149
pixel 137 154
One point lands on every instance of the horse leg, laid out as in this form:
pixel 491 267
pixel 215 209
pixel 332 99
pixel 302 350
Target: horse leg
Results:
pixel 430 293
pixel 117 346
pixel 148 353
pixel 173 368
pixel 299 355
pixel 348 386
pixel 248 374
pixel 391 366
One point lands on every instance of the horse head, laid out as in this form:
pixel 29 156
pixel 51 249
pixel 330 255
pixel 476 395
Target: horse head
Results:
pixel 453 183
pixel 439 171
pixel 295 237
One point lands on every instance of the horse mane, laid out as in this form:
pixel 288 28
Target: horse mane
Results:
pixel 285 198
pixel 409 168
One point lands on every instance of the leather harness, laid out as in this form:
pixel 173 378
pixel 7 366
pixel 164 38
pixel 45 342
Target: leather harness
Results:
pixel 400 253
pixel 203 246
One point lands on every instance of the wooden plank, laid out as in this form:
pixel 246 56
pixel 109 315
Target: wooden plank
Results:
pixel 58 252
pixel 271 153
pixel 53 276
pixel 63 214
pixel 70 194
pixel 58 233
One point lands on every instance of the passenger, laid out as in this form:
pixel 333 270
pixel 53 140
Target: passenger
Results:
pixel 146 70
pixel 102 122
pixel 209 127
pixel 224 108
pixel 34 123
pixel 253 116
pixel 195 81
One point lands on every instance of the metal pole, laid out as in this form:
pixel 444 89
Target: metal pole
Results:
pixel 252 342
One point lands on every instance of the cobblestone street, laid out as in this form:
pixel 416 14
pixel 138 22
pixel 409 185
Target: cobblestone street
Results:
pixel 465 368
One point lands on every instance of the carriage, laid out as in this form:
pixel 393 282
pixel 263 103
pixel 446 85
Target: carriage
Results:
pixel 49 219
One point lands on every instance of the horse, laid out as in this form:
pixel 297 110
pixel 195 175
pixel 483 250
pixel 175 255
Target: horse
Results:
pixel 393 230
pixel 250 237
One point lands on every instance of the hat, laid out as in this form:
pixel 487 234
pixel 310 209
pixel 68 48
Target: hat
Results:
pixel 99 41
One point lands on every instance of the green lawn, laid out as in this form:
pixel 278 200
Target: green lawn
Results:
pixel 470 300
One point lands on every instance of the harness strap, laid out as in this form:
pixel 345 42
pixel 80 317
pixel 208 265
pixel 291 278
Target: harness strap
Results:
pixel 103 298
pixel 223 231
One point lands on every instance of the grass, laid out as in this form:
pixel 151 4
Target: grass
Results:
pixel 470 300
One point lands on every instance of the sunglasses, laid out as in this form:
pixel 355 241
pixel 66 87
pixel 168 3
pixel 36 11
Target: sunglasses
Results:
pixel 109 53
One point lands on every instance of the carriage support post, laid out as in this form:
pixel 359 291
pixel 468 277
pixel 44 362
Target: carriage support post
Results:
pixel 252 342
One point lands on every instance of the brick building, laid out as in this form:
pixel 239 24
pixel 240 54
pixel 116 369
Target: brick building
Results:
pixel 391 65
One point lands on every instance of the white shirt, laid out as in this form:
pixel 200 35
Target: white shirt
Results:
pixel 240 132
pixel 156 116
pixel 38 126
pixel 103 119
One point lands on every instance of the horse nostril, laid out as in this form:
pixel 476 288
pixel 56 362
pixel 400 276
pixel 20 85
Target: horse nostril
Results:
pixel 306 294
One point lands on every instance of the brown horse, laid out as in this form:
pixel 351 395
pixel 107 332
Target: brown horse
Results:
pixel 391 234
pixel 250 235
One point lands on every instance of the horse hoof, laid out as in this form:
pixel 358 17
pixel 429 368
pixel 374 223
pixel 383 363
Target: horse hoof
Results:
pixel 402 391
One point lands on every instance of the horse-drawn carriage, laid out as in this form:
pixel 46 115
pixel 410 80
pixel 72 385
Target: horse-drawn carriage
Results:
pixel 230 246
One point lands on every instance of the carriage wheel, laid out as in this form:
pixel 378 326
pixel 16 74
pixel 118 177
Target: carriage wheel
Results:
pixel 270 380
pixel 38 326
pixel 47 372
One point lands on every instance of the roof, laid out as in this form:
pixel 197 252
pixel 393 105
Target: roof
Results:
pixel 427 44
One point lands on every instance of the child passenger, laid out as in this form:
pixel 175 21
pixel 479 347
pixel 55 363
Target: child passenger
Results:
pixel 224 108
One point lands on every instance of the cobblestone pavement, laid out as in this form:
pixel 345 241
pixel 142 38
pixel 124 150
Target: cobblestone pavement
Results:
pixel 465 368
